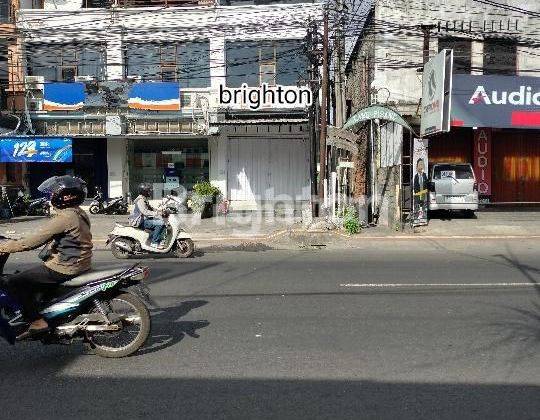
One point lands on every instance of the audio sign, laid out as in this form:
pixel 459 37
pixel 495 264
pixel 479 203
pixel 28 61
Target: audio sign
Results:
pixel 482 160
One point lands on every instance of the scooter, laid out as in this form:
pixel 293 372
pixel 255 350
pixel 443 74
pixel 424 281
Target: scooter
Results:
pixel 116 205
pixel 104 309
pixel 23 206
pixel 127 241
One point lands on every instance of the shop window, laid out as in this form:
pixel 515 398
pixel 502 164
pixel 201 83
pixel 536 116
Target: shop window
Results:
pixel 187 63
pixel 11 172
pixel 168 164
pixel 462 53
pixel 65 62
pixel 4 11
pixel 500 56
pixel 280 62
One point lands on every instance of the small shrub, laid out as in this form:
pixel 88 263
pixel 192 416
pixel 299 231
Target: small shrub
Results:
pixel 350 220
pixel 206 189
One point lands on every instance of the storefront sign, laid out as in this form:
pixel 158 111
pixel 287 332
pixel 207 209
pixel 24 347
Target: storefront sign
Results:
pixel 496 101
pixel 436 87
pixel 36 149
pixel 155 96
pixel 63 96
pixel 482 160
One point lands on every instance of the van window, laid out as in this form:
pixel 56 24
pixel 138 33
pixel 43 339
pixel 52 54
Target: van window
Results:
pixel 453 171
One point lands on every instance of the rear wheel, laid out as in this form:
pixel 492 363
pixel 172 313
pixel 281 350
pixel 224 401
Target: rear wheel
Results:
pixel 135 327
pixel 184 248
pixel 118 251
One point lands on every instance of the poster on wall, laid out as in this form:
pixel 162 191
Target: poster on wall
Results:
pixel 420 182
pixel 36 149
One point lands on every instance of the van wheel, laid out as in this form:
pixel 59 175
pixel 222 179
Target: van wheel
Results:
pixel 469 214
pixel 184 248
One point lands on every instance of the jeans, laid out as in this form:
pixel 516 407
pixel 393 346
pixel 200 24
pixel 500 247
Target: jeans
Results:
pixel 24 286
pixel 157 226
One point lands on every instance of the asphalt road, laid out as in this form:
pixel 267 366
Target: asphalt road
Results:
pixel 393 329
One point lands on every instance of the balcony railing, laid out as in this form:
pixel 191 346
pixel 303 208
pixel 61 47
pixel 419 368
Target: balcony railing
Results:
pixel 146 3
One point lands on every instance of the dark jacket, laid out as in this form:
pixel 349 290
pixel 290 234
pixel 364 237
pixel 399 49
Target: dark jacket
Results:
pixel 70 242
pixel 417 182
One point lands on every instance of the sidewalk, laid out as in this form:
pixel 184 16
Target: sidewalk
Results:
pixel 246 230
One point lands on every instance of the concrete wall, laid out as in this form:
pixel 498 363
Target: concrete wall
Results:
pixel 400 42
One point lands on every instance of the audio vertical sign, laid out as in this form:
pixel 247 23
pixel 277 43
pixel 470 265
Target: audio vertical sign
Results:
pixel 482 160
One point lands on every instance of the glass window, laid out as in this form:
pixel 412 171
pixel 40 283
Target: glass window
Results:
pixel 4 10
pixel 292 63
pixel 194 64
pixel 64 62
pixel 453 171
pixel 242 61
pixel 143 60
pixel 462 53
pixel 282 62
pixel 500 56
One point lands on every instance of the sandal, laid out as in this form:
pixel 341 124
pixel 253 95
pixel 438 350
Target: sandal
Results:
pixel 32 332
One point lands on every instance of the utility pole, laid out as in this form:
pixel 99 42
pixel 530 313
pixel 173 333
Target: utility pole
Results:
pixel 324 99
pixel 426 29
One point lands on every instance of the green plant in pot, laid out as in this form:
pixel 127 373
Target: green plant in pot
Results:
pixel 203 198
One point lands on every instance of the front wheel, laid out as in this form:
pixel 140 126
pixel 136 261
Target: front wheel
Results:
pixel 135 325
pixel 94 209
pixel 184 248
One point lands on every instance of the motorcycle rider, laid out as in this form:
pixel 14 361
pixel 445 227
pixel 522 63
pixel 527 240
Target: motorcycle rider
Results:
pixel 144 216
pixel 68 252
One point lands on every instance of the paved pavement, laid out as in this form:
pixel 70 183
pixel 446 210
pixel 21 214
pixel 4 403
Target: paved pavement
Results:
pixel 412 329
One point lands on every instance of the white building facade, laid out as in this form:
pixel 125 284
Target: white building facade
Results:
pixel 225 61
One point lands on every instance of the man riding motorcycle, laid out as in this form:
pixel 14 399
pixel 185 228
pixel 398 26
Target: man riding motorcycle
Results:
pixel 145 217
pixel 68 252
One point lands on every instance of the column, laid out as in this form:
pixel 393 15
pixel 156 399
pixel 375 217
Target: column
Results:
pixel 117 167
pixel 477 57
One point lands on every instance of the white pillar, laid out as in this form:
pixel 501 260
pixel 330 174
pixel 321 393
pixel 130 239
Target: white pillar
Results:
pixel 217 62
pixel 117 167
pixel 217 147
pixel 477 56
pixel 114 56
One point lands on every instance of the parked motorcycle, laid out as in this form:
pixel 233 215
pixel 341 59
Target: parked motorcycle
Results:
pixel 116 205
pixel 24 206
pixel 104 309
pixel 125 240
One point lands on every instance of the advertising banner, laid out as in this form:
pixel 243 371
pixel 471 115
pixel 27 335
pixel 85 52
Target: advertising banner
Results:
pixel 495 101
pixel 36 149
pixel 60 96
pixel 436 87
pixel 482 160
pixel 420 182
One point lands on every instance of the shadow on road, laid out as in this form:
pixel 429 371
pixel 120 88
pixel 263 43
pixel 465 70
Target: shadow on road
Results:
pixel 168 329
pixel 264 398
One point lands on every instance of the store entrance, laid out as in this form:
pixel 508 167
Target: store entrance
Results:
pixel 89 163
pixel 167 164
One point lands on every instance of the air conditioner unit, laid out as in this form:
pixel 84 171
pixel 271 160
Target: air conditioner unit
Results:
pixel 35 104
pixel 34 82
pixel 134 78
pixel 85 78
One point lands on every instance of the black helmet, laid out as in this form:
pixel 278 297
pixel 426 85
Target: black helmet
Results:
pixel 145 189
pixel 64 191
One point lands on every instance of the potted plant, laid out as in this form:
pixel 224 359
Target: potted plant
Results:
pixel 204 198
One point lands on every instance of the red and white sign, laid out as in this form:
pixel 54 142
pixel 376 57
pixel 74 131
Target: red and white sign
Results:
pixel 482 160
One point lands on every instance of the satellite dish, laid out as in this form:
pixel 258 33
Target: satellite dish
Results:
pixel 9 124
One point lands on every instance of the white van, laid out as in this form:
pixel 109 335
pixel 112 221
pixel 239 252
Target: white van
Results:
pixel 453 187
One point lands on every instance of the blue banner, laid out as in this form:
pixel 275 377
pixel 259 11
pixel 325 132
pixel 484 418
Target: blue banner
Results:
pixel 36 149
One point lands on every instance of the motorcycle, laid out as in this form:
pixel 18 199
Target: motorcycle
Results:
pixel 24 206
pixel 126 240
pixel 116 205
pixel 105 309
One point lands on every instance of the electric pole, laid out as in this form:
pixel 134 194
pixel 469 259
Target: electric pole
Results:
pixel 324 99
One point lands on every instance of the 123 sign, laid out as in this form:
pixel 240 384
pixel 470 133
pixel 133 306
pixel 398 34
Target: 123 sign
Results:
pixel 36 149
